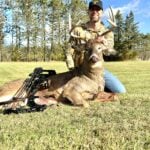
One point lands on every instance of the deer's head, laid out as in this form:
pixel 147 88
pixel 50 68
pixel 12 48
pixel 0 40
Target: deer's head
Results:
pixel 95 51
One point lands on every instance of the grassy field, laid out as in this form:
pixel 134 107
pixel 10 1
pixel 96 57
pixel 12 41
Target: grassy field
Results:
pixel 120 125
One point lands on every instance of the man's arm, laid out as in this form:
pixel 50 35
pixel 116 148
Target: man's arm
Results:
pixel 69 57
pixel 76 45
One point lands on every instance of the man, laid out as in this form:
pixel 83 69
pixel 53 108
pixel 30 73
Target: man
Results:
pixel 90 30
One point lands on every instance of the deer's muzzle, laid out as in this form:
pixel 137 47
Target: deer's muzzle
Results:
pixel 94 58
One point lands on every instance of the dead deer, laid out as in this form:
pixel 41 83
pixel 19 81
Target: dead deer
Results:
pixel 79 85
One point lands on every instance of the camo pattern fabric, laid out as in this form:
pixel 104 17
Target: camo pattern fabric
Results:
pixel 76 48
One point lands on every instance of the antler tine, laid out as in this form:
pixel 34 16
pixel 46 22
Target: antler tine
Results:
pixel 112 22
pixel 112 19
pixel 112 14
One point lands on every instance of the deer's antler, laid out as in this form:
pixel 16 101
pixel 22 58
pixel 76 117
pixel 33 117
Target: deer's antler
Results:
pixel 112 22
pixel 112 19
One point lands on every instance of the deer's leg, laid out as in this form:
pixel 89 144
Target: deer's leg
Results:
pixel 105 96
pixel 75 97
pixel 42 98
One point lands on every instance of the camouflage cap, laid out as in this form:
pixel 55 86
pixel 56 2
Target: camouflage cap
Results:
pixel 97 3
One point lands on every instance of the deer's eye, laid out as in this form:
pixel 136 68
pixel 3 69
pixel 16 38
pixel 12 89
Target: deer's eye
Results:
pixel 99 49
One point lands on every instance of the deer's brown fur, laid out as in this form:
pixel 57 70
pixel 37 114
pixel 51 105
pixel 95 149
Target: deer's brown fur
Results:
pixel 81 84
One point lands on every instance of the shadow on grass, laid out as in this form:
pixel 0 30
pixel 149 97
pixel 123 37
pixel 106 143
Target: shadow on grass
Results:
pixel 32 107
pixel 24 110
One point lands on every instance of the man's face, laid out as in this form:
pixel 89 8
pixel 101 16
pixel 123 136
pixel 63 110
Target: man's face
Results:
pixel 95 14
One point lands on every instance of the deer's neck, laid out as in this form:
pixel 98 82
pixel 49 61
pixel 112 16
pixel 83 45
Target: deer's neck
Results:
pixel 95 72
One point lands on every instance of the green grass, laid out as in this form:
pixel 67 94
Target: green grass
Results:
pixel 120 125
pixel 18 70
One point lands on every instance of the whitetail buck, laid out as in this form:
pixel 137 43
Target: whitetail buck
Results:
pixel 81 84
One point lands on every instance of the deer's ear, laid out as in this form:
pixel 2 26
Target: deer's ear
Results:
pixel 89 43
pixel 109 51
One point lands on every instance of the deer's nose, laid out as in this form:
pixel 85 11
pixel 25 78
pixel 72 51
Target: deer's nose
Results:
pixel 94 58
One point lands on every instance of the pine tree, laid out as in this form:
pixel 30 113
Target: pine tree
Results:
pixel 131 32
pixel 119 32
pixel 1 34
pixel 126 36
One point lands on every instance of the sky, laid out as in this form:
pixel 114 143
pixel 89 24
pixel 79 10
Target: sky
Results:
pixel 140 8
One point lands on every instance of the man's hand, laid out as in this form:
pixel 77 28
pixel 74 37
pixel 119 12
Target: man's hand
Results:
pixel 101 39
pixel 80 34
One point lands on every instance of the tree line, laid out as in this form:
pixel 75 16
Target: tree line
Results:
pixel 129 42
pixel 38 30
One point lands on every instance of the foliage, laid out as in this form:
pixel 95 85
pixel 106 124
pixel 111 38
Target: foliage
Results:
pixel 144 50
pixel 37 26
pixel 119 125
pixel 58 52
pixel 40 24
pixel 127 37
pixel 128 55
pixel 2 22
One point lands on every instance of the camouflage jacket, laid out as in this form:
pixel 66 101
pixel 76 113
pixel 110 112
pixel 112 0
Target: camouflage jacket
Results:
pixel 75 52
